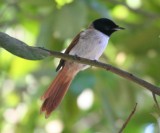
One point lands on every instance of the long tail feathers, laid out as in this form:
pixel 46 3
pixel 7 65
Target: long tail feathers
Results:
pixel 55 93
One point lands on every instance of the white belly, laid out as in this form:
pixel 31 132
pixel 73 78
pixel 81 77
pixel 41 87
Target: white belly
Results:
pixel 91 44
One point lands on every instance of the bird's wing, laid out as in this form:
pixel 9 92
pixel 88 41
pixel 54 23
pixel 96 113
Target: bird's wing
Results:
pixel 72 44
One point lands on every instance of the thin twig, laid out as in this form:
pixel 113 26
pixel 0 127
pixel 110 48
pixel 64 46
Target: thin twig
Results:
pixel 154 97
pixel 128 119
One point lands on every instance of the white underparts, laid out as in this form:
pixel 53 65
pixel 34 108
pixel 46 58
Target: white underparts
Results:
pixel 91 44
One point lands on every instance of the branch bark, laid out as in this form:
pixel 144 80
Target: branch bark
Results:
pixel 154 89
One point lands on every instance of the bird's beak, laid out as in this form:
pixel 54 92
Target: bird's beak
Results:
pixel 119 28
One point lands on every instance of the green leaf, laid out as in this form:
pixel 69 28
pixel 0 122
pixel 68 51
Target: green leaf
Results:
pixel 21 49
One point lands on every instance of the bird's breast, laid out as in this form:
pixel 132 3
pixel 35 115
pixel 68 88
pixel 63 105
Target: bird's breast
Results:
pixel 91 44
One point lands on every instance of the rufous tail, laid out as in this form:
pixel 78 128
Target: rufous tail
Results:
pixel 55 93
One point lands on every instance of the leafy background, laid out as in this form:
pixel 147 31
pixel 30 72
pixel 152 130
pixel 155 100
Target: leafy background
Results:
pixel 97 101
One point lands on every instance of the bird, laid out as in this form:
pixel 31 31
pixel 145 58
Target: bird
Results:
pixel 89 43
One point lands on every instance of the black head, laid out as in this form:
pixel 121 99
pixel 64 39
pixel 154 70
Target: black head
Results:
pixel 106 26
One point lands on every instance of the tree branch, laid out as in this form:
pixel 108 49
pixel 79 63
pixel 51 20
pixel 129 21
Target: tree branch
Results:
pixel 21 49
pixel 154 89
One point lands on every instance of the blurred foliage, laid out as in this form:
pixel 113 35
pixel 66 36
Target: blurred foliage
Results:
pixel 53 24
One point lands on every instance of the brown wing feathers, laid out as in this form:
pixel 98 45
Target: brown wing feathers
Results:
pixel 75 41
